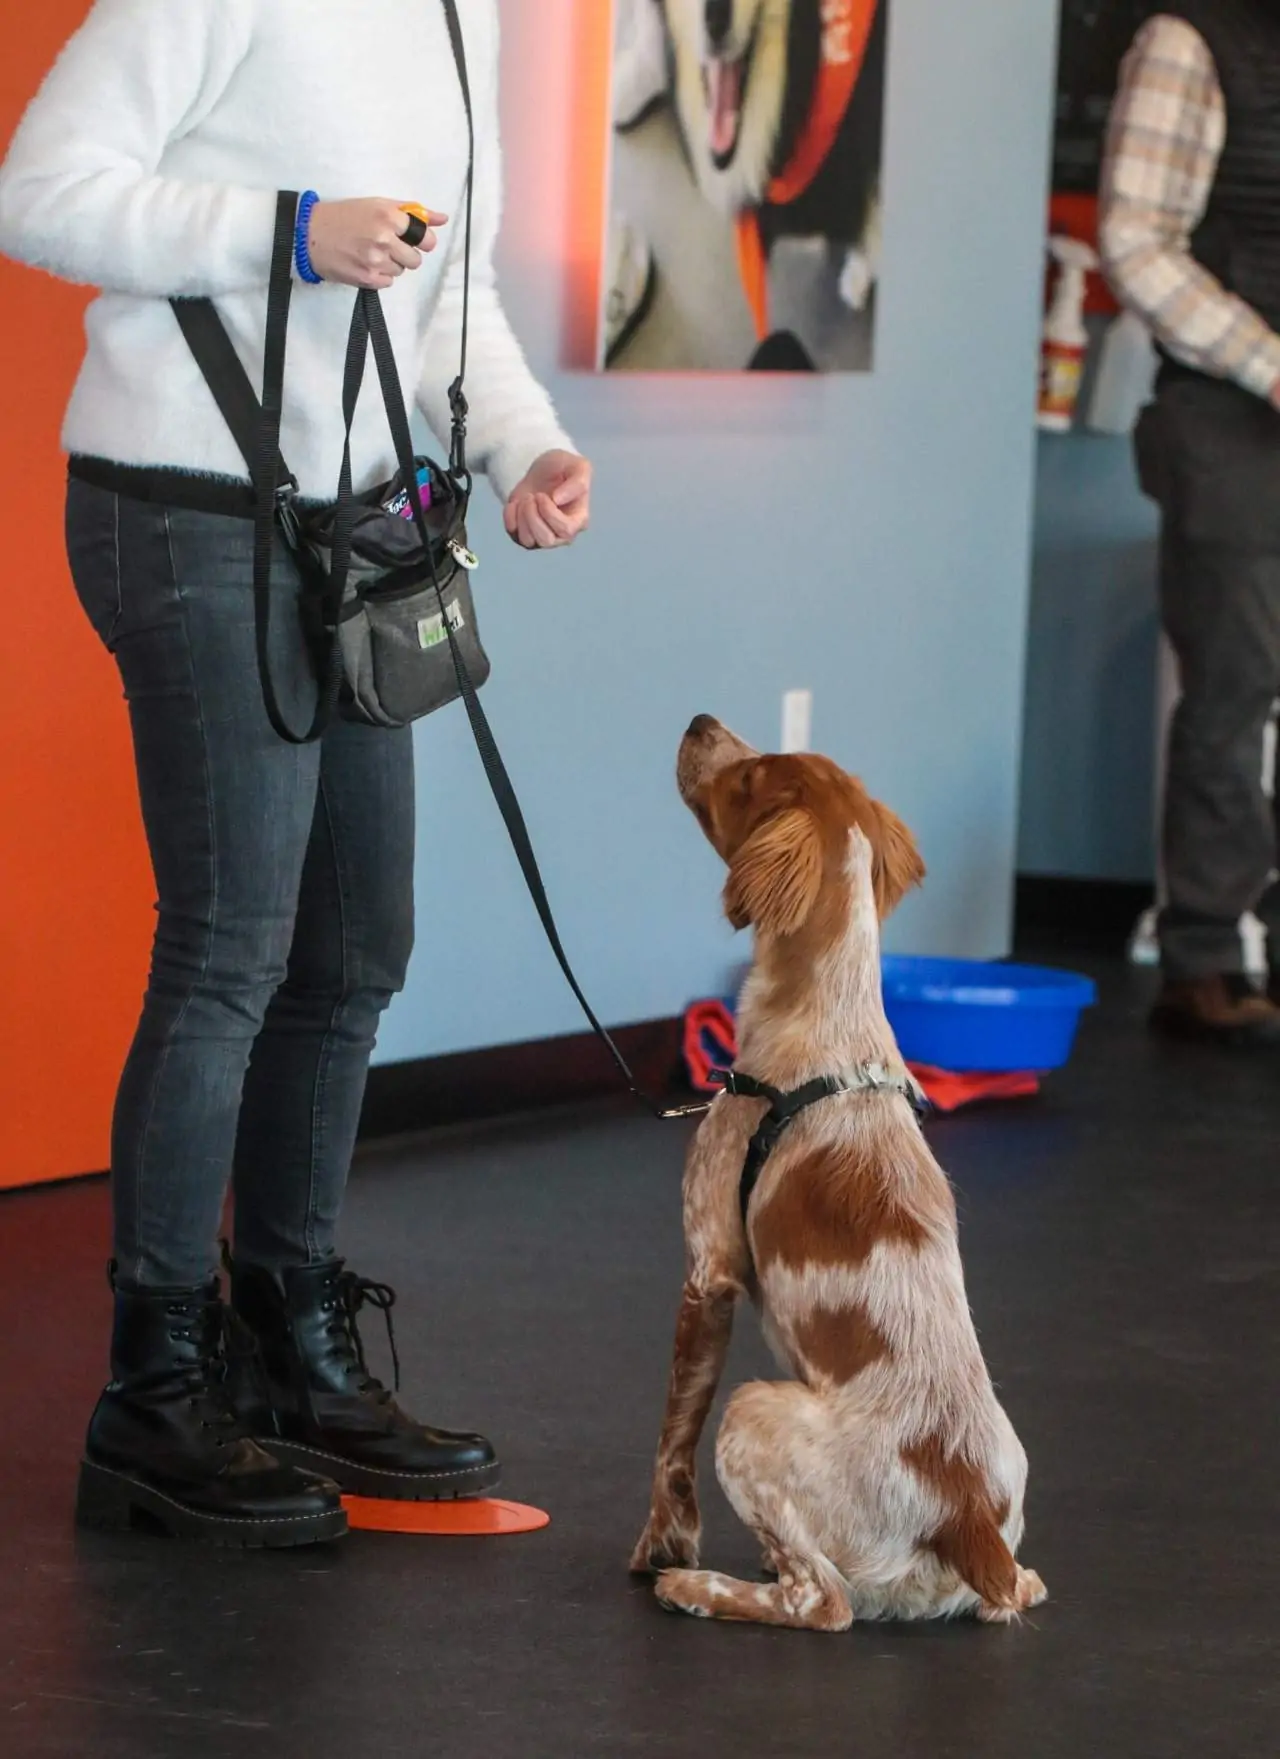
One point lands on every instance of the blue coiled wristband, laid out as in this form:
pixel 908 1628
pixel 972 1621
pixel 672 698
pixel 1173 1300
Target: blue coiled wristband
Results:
pixel 301 234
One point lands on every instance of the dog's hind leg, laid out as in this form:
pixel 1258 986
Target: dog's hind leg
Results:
pixel 759 1460
pixel 1030 1592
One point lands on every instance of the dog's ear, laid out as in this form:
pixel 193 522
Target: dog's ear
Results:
pixel 775 877
pixel 896 864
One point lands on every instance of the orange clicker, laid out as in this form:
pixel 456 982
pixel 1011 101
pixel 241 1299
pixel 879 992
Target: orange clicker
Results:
pixel 419 223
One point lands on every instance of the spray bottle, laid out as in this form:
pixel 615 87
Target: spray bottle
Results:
pixel 1066 340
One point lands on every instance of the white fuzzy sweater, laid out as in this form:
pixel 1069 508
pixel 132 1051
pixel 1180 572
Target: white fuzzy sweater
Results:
pixel 148 164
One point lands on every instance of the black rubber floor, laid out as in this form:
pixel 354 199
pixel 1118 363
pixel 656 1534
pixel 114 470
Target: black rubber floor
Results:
pixel 1123 1247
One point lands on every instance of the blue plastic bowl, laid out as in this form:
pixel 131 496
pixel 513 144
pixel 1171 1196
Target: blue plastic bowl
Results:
pixel 968 1017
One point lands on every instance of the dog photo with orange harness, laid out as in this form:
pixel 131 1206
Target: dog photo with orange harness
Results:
pixel 777 114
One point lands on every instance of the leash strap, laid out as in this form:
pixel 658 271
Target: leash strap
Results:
pixel 255 427
pixel 496 774
pixel 495 769
pixel 457 396
pixel 275 488
pixel 224 371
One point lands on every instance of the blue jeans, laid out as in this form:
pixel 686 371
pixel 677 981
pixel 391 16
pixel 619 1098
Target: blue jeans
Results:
pixel 285 915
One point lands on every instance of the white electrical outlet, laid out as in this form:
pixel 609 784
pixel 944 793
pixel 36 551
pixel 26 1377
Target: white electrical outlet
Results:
pixel 797 720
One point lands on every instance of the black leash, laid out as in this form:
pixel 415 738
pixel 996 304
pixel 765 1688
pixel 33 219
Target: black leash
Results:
pixel 255 426
pixel 495 769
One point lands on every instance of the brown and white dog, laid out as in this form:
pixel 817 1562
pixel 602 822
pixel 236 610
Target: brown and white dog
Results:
pixel 884 1481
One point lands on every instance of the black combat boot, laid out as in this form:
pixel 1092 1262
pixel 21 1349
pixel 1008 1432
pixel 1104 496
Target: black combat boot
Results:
pixel 323 1409
pixel 166 1451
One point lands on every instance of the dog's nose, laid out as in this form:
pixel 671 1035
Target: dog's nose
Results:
pixel 719 18
pixel 701 725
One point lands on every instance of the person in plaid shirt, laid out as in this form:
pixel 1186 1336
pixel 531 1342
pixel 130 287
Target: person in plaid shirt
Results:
pixel 1190 235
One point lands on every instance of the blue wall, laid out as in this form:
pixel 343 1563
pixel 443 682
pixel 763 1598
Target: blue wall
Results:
pixel 1089 758
pixel 866 537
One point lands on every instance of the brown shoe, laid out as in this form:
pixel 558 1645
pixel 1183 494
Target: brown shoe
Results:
pixel 1227 1009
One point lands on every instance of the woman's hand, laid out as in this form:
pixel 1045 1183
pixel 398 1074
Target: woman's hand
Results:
pixel 360 243
pixel 553 503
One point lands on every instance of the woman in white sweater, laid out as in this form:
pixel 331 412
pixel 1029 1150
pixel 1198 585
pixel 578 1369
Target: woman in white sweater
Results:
pixel 148 167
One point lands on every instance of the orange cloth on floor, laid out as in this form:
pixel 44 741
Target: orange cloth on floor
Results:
pixel 947 1092
pixel 711 1042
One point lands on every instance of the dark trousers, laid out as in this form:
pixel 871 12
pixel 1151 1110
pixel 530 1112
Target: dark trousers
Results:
pixel 285 918
pixel 1211 455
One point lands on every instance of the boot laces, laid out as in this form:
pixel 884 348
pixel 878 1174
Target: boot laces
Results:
pixel 220 1340
pixel 349 1295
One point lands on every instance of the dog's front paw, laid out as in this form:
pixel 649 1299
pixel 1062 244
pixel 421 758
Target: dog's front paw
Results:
pixel 667 1545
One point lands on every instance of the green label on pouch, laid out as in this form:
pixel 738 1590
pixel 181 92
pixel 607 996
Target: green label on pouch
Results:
pixel 431 629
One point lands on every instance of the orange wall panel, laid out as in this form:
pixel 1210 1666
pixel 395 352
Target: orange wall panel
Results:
pixel 75 883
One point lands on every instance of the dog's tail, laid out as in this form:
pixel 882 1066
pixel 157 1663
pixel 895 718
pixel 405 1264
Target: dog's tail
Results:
pixel 970 1543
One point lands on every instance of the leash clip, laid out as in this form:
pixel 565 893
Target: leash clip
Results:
pixel 459 410
pixel 286 496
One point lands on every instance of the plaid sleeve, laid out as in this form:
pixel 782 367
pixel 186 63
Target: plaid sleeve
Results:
pixel 1167 132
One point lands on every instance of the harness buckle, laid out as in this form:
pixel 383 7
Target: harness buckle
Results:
pixel 744 1086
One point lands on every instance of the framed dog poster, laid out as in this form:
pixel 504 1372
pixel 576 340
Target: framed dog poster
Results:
pixel 744 186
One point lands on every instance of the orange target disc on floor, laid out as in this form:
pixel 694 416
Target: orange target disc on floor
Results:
pixel 486 1517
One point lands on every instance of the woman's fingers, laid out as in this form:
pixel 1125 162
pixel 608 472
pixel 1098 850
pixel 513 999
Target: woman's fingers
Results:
pixel 557 521
pixel 535 522
pixel 415 211
pixel 405 256
pixel 535 533
pixel 525 526
pixel 419 229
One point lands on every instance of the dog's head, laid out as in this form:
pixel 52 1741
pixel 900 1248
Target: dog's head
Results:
pixel 788 827
pixel 731 87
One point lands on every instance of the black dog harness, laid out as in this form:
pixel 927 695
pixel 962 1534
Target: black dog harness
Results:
pixel 785 1108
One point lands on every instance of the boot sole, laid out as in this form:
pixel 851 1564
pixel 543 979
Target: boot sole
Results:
pixel 354 1479
pixel 114 1502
